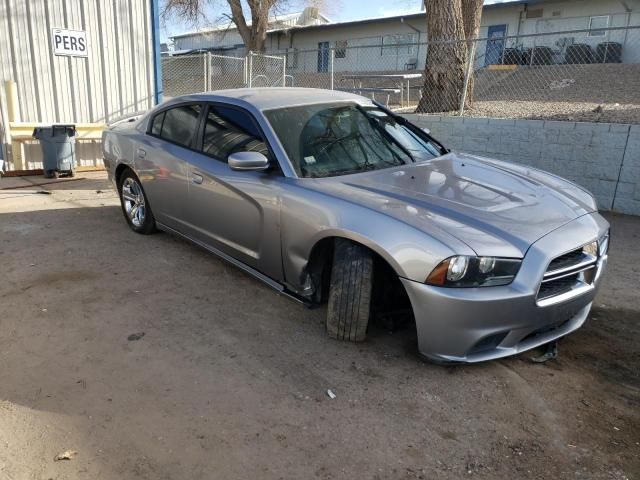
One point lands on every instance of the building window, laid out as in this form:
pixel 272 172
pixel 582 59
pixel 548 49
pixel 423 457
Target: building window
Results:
pixel 537 13
pixel 399 44
pixel 601 21
pixel 341 49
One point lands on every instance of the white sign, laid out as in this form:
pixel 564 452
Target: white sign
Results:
pixel 71 43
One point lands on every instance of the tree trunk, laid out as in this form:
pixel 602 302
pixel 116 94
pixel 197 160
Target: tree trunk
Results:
pixel 471 16
pixel 446 57
pixel 254 36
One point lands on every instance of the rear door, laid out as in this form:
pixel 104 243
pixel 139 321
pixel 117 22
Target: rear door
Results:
pixel 235 212
pixel 160 160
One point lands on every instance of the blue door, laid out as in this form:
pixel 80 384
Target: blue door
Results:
pixel 495 44
pixel 323 57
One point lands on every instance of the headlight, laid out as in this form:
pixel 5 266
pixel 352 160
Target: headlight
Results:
pixel 591 249
pixel 457 268
pixel 465 271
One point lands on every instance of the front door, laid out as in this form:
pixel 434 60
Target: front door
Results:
pixel 323 57
pixel 495 44
pixel 234 212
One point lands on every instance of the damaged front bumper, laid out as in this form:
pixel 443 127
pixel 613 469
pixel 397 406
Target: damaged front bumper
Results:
pixel 478 324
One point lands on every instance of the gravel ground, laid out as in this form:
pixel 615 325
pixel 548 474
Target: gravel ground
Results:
pixel 581 93
pixel 155 360
pixel 547 110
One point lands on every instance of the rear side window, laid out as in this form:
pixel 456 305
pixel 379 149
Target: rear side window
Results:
pixel 229 130
pixel 179 124
pixel 156 125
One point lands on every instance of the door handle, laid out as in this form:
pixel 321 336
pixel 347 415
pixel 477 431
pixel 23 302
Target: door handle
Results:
pixel 141 153
pixel 196 178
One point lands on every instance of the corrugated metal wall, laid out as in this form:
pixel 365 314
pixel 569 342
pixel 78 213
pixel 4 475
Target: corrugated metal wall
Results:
pixel 115 79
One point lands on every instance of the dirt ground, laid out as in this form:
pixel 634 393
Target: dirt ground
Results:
pixel 155 360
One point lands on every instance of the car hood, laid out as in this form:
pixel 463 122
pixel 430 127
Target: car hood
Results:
pixel 495 208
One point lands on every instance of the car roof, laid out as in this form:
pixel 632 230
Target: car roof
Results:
pixel 274 97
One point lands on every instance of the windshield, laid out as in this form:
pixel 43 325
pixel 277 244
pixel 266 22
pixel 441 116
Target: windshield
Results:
pixel 337 139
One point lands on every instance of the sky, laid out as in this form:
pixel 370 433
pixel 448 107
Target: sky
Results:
pixel 337 11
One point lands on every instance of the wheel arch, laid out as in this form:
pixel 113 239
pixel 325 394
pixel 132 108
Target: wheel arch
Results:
pixel 318 266
pixel 120 169
pixel 328 236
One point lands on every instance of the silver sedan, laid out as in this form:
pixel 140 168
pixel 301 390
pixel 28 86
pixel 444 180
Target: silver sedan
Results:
pixel 329 197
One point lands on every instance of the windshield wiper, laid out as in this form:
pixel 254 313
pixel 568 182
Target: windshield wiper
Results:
pixel 337 173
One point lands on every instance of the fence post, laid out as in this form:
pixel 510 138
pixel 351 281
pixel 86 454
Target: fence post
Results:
pixel 467 75
pixel 284 70
pixel 244 71
pixel 250 57
pixel 204 72
pixel 332 56
pixel 208 71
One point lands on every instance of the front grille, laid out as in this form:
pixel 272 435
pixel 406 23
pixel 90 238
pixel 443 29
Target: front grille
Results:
pixel 570 271
pixel 557 286
pixel 567 260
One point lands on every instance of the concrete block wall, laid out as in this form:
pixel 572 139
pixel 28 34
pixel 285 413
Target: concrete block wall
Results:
pixel 628 193
pixel 602 157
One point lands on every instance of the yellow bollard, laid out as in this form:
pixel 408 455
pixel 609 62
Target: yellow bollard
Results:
pixel 13 108
pixel 13 115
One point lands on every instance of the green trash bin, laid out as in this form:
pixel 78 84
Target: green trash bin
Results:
pixel 58 143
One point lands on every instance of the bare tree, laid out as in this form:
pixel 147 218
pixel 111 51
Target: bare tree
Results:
pixel 449 22
pixel 253 32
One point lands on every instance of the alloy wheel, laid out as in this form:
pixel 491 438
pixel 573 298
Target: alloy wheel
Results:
pixel 133 200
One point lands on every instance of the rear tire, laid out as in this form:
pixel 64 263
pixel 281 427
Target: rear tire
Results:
pixel 135 205
pixel 350 291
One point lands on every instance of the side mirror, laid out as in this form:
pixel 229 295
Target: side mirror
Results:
pixel 426 130
pixel 248 161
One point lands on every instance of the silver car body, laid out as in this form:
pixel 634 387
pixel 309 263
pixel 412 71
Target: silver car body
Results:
pixel 413 216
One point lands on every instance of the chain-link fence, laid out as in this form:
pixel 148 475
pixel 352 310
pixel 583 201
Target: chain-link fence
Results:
pixel 584 75
pixel 225 72
pixel 185 74
pixel 589 75
pixel 267 70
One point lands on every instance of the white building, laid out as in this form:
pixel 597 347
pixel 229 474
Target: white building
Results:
pixel 226 37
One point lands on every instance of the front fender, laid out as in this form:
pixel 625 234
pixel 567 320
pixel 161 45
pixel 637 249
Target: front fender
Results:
pixel 309 219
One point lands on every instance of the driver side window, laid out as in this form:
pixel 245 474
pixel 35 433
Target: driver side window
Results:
pixel 230 130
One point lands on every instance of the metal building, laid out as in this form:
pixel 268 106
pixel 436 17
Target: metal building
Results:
pixel 85 62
